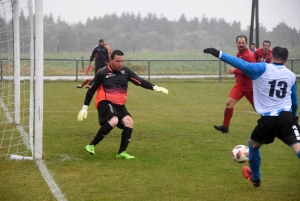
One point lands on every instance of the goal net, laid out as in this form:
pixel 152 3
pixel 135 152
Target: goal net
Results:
pixel 20 131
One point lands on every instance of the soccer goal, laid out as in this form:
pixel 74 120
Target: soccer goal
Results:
pixel 21 79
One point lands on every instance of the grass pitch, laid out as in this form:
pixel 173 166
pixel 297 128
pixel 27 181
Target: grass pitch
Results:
pixel 179 155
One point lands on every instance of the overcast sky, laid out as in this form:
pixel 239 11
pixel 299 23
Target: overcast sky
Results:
pixel 271 12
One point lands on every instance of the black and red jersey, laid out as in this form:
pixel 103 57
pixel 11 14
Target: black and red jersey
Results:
pixel 100 53
pixel 112 85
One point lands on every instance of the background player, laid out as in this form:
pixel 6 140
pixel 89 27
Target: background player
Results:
pixel 264 54
pixel 111 84
pixel 243 86
pixel 108 48
pixel 252 47
pixel 100 54
pixel 86 81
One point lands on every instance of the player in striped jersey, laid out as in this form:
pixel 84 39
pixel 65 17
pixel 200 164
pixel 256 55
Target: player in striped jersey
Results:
pixel 275 100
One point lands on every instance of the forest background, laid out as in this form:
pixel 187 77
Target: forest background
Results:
pixel 133 33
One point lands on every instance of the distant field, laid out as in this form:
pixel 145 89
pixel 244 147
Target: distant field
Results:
pixel 179 155
pixel 156 67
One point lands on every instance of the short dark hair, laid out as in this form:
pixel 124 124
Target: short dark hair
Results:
pixel 241 36
pixel 116 52
pixel 267 41
pixel 101 40
pixel 252 43
pixel 281 53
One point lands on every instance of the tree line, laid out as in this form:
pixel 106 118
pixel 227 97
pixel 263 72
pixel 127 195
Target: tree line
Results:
pixel 129 32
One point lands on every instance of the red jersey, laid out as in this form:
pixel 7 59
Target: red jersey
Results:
pixel 260 56
pixel 108 48
pixel 242 79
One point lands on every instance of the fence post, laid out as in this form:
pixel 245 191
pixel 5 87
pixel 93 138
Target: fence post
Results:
pixel 82 63
pixel 292 65
pixel 220 71
pixel 76 70
pixel 1 70
pixel 148 70
pixel 225 67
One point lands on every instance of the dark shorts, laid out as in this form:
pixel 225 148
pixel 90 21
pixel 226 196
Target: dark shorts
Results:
pixel 285 127
pixel 106 110
pixel 99 65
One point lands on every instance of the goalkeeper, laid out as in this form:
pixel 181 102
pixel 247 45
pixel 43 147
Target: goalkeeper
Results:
pixel 111 84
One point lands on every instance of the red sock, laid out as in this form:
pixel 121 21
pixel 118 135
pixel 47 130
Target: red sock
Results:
pixel 227 116
pixel 85 82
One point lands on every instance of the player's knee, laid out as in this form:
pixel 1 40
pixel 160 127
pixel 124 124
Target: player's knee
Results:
pixel 113 121
pixel 230 102
pixel 127 121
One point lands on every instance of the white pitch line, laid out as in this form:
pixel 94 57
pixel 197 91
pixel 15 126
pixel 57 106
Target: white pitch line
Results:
pixel 50 181
pixel 252 112
pixel 40 163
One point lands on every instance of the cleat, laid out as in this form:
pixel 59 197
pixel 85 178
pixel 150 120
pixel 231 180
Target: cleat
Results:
pixel 247 174
pixel 78 86
pixel 90 149
pixel 222 128
pixel 124 155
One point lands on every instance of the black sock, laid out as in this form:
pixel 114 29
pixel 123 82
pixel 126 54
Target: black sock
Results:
pixel 125 139
pixel 103 131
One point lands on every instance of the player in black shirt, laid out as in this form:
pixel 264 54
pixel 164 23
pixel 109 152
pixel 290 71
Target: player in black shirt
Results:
pixel 111 84
pixel 101 56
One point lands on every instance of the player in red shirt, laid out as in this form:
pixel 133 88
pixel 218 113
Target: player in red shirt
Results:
pixel 264 54
pixel 243 86
pixel 107 47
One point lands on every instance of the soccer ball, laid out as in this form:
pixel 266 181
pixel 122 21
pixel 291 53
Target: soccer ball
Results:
pixel 240 154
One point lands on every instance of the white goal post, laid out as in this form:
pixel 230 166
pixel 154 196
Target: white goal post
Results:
pixel 21 79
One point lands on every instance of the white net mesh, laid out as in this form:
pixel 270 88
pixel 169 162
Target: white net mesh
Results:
pixel 15 88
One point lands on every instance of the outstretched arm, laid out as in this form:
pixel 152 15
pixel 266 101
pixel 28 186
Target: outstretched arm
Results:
pixel 145 84
pixel 253 70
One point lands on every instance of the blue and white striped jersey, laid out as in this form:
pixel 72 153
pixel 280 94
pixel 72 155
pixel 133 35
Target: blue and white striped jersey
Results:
pixel 274 85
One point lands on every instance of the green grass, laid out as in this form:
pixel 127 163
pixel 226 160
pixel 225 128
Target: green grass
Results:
pixel 179 155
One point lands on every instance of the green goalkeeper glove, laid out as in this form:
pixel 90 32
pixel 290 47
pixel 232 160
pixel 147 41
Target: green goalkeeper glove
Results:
pixel 160 89
pixel 83 113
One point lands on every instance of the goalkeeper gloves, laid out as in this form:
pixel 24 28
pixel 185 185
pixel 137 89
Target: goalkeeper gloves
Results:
pixel 160 89
pixel 212 51
pixel 83 113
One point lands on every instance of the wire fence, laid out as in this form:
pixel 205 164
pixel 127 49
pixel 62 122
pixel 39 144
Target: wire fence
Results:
pixel 73 69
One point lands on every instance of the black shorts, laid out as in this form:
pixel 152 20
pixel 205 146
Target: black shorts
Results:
pixel 285 127
pixel 106 110
pixel 99 65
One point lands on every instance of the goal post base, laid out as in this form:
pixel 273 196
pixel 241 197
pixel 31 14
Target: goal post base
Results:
pixel 19 157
